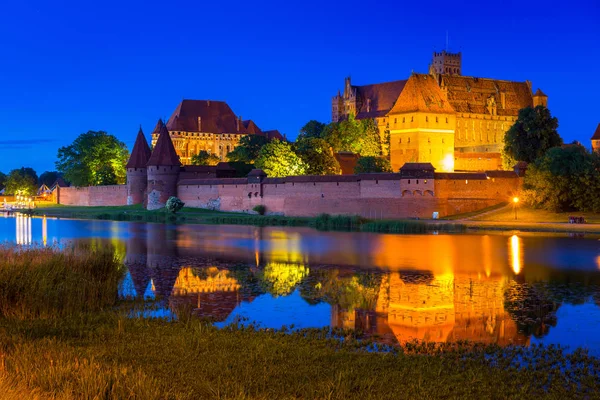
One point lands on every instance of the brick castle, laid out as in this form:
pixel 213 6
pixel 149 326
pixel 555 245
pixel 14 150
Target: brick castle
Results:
pixel 452 121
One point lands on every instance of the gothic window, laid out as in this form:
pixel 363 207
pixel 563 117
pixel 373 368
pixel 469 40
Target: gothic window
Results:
pixel 428 140
pixel 443 141
pixel 436 119
pixel 446 119
pixel 403 119
pixel 426 119
pixel 408 140
pixel 400 141
pixel 412 119
pixel 395 120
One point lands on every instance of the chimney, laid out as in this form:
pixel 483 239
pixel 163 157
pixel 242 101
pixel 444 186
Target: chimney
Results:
pixel 238 122
pixel 503 99
pixel 199 124
pixel 368 105
pixel 207 103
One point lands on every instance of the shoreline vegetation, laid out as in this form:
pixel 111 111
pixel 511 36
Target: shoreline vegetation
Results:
pixel 98 346
pixel 495 218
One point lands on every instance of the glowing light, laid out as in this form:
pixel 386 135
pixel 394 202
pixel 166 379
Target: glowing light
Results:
pixel 448 163
pixel 44 231
pixel 598 262
pixel 515 250
pixel 515 200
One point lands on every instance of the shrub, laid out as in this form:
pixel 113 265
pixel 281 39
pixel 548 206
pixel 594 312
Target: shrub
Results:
pixel 174 204
pixel 260 209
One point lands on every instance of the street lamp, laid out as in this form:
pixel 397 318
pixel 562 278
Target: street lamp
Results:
pixel 515 203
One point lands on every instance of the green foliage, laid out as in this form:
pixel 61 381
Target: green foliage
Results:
pixel 508 162
pixel 410 226
pixel 174 204
pixel 248 149
pixel 372 164
pixel 242 169
pixel 318 157
pixel 312 129
pixel 94 158
pixel 261 209
pixel 22 181
pixel 204 158
pixel 359 137
pixel 280 279
pixel 49 177
pixel 564 179
pixel 385 145
pixel 325 222
pixel 278 159
pixel 2 180
pixel 532 135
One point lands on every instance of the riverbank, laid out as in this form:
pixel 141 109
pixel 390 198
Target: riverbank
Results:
pixel 102 348
pixel 497 218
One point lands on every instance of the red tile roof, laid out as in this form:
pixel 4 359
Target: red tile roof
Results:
pixel 597 133
pixel 273 134
pixel 251 127
pixel 381 95
pixel 164 153
pixel 422 93
pixel 212 116
pixel 140 153
pixel 470 95
pixel 158 126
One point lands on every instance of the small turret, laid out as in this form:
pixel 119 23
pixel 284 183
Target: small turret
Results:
pixel 163 170
pixel 137 179
pixel 540 99
pixel 596 140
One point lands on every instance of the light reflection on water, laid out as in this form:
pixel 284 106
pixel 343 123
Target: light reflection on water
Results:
pixel 504 289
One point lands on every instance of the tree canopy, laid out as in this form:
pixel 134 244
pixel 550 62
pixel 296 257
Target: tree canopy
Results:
pixel 372 164
pixel 317 155
pixel 360 137
pixel 205 158
pixel 312 129
pixel 532 134
pixel 247 149
pixel 278 159
pixel 564 179
pixel 49 177
pixel 23 181
pixel 2 180
pixel 94 158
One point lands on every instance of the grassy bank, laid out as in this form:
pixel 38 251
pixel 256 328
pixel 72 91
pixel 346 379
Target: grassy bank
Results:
pixel 92 349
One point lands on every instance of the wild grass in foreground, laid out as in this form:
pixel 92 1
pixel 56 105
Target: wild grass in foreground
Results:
pixel 50 283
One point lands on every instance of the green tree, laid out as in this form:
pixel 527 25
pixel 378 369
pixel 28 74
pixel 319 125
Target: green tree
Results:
pixel 174 204
pixel 370 139
pixel 94 158
pixel 564 179
pixel 312 129
pixel 22 181
pixel 278 159
pixel 247 149
pixel 2 180
pixel 205 158
pixel 372 164
pixel 317 155
pixel 49 177
pixel 532 134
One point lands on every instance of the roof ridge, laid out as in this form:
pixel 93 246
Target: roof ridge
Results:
pixel 164 152
pixel 141 152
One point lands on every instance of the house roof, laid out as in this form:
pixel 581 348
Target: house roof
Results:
pixel 539 93
pixel 417 167
pixel 164 152
pixel 205 116
pixel 468 94
pixel 158 126
pixel 273 134
pixel 422 93
pixel 140 153
pixel 597 133
pixel 381 95
pixel 251 127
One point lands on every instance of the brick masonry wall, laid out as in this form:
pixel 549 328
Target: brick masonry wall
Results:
pixel 114 195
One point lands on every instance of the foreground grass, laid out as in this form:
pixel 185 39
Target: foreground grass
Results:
pixel 531 215
pixel 94 349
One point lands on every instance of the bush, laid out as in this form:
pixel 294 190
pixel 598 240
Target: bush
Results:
pixel 174 204
pixel 260 209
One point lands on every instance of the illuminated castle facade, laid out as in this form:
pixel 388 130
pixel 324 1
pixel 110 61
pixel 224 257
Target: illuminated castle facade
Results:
pixel 452 121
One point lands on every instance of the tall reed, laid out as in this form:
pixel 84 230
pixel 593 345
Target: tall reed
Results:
pixel 52 282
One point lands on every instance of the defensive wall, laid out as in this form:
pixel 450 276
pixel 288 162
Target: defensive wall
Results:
pixel 113 195
pixel 385 195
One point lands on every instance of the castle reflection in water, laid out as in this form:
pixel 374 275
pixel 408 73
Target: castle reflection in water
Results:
pixel 433 288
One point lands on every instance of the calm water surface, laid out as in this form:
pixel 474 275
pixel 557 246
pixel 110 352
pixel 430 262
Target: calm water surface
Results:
pixel 495 288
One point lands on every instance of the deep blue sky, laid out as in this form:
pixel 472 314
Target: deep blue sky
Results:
pixel 72 66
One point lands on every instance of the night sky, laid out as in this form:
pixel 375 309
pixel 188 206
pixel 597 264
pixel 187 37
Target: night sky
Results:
pixel 68 67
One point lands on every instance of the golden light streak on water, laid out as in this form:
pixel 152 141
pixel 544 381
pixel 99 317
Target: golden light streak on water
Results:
pixel 515 251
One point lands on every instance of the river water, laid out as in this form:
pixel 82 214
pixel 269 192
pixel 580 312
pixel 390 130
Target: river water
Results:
pixel 503 288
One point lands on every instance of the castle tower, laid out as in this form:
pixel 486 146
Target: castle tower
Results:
pixel 163 170
pixel 596 140
pixel 446 63
pixel 540 99
pixel 137 178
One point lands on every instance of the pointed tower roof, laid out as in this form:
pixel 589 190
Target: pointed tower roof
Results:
pixel 421 93
pixel 140 153
pixel 540 93
pixel 597 133
pixel 159 124
pixel 164 152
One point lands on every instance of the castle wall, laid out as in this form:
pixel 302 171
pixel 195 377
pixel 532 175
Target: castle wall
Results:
pixel 113 195
pixel 137 184
pixel 477 161
pixel 162 184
